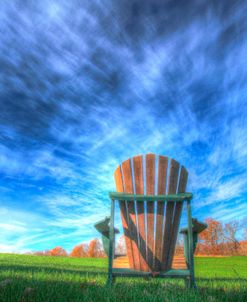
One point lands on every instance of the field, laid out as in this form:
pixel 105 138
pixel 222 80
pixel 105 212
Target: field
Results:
pixel 51 279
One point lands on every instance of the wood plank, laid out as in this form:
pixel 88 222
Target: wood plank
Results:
pixel 139 189
pixel 150 187
pixel 172 187
pixel 177 214
pixel 128 188
pixel 162 172
pixel 124 215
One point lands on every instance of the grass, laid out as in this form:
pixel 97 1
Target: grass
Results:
pixel 70 279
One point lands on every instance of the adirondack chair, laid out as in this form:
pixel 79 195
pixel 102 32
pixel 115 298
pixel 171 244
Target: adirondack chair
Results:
pixel 151 191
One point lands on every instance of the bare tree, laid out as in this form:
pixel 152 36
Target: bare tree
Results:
pixel 244 227
pixel 121 246
pixel 230 234
pixel 179 248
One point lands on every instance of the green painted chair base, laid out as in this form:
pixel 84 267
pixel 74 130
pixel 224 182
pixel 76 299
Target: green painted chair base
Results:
pixel 188 274
pixel 173 273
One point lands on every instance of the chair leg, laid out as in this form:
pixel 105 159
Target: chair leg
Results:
pixel 194 286
pixel 192 283
pixel 110 279
pixel 190 248
pixel 111 245
pixel 187 282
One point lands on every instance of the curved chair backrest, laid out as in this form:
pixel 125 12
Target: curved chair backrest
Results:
pixel 150 228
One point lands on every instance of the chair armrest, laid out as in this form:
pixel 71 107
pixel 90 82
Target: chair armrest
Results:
pixel 197 227
pixel 139 197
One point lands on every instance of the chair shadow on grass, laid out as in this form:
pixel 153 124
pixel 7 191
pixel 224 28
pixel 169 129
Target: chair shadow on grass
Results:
pixel 96 271
pixel 198 279
pixel 92 270
pixel 94 289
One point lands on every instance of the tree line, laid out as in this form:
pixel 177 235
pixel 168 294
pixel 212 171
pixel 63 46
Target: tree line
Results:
pixel 221 239
pixel 93 249
pixel 217 239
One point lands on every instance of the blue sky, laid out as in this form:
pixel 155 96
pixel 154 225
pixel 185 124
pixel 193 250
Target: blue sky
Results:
pixel 85 85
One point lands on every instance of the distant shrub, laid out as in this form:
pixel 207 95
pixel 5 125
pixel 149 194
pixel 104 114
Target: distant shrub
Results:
pixel 80 251
pixel 58 251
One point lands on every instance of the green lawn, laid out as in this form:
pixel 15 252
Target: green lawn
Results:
pixel 70 279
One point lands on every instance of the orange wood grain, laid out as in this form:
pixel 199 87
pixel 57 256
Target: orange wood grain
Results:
pixel 172 187
pixel 128 188
pixel 139 188
pixel 162 172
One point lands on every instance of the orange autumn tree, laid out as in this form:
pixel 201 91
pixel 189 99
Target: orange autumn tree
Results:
pixel 95 249
pixel 58 251
pixel 212 236
pixel 79 251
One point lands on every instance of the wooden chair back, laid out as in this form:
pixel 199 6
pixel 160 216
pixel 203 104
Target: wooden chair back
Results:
pixel 150 228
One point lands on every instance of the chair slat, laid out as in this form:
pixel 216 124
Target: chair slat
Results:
pixel 128 188
pixel 162 172
pixel 139 188
pixel 150 187
pixel 124 216
pixel 172 187
pixel 177 214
